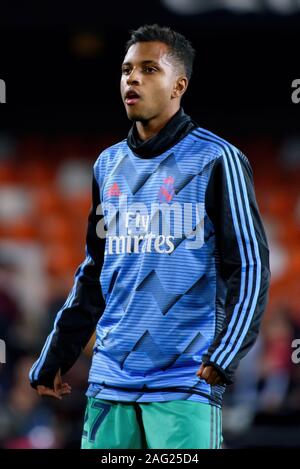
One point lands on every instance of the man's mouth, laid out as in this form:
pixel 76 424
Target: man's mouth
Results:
pixel 131 97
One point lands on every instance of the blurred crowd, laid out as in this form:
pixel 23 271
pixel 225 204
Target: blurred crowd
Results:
pixel 45 187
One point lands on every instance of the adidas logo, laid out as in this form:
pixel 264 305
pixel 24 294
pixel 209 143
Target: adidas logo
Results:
pixel 114 190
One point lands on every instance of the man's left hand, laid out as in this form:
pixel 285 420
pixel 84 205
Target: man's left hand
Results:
pixel 209 374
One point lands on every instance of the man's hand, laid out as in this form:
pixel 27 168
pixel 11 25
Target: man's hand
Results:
pixel 59 388
pixel 209 374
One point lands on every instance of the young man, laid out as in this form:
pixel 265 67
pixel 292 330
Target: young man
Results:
pixel 180 252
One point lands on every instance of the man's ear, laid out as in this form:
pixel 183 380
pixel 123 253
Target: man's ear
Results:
pixel 180 87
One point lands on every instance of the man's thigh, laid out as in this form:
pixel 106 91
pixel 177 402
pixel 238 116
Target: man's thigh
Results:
pixel 109 424
pixel 182 424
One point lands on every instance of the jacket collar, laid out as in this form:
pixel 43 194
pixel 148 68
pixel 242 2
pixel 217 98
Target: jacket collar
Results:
pixel 176 129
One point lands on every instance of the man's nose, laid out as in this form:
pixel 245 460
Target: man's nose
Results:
pixel 133 77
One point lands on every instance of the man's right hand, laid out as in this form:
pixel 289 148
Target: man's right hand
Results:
pixel 59 388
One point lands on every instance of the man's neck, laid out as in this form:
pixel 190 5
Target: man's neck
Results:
pixel 147 129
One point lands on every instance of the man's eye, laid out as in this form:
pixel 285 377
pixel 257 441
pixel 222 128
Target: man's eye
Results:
pixel 125 71
pixel 150 69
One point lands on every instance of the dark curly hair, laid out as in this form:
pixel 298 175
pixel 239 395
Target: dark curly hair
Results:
pixel 181 50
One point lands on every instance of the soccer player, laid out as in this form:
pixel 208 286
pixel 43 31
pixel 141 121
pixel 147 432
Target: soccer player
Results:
pixel 176 273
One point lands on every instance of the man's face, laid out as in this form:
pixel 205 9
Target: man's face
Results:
pixel 148 80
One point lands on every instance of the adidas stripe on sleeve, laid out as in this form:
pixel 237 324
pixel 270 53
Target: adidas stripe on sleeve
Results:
pixel 243 256
pixel 77 319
